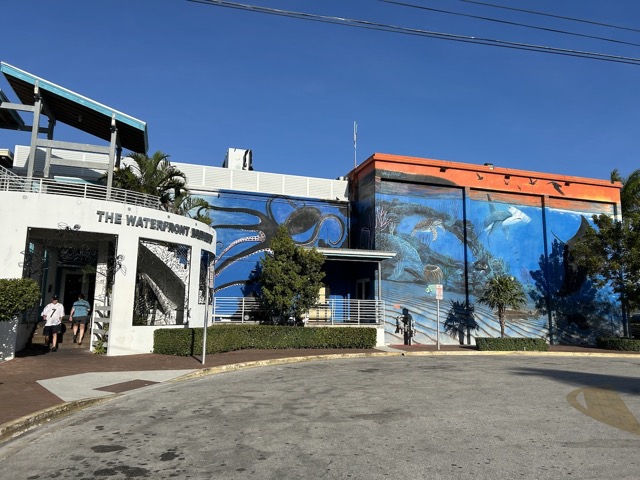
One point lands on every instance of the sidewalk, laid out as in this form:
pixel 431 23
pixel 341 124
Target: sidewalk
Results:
pixel 38 379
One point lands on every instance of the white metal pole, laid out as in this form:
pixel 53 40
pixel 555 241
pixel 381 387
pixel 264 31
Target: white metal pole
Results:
pixel 355 144
pixel 208 291
pixel 204 331
pixel 438 327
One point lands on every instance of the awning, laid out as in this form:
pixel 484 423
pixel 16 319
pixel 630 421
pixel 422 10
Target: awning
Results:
pixel 76 110
pixel 355 255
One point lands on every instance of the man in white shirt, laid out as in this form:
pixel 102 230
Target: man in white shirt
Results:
pixel 52 315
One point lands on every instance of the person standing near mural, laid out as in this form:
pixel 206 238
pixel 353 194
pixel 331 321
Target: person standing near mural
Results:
pixel 79 318
pixel 52 315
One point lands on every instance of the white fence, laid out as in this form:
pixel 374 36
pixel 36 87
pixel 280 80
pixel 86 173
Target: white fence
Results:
pixel 329 312
pixel 10 182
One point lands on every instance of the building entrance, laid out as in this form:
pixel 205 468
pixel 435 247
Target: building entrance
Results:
pixel 68 262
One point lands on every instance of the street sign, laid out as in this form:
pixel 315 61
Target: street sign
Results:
pixel 435 290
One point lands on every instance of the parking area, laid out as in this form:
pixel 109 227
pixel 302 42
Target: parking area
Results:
pixel 463 417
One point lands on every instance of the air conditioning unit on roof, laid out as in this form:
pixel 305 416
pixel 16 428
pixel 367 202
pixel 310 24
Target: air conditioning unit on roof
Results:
pixel 6 157
pixel 238 159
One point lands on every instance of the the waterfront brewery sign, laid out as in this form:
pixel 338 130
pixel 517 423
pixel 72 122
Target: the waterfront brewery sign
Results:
pixel 152 224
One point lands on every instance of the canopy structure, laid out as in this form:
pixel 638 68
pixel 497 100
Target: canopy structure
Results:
pixel 59 104
pixel 9 119
pixel 354 255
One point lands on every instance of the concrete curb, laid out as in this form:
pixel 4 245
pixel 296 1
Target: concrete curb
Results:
pixel 526 354
pixel 19 426
pixel 276 361
pixel 396 353
pixel 15 428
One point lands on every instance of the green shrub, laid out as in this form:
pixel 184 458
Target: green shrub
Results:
pixel 16 296
pixel 226 338
pixel 622 344
pixel 512 344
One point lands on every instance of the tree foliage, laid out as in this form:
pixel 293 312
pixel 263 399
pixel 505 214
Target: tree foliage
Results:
pixel 152 175
pixel 630 192
pixel 156 176
pixel 289 279
pixel 190 206
pixel 611 254
pixel 16 296
pixel 503 291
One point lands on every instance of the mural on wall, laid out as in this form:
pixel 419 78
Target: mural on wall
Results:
pixel 424 226
pixel 510 242
pixel 442 238
pixel 580 313
pixel 245 224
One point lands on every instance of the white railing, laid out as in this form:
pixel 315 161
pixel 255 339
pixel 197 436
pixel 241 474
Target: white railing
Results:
pixel 10 182
pixel 205 178
pixel 100 329
pixel 330 312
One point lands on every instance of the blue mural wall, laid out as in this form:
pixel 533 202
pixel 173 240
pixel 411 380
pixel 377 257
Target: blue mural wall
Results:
pixel 445 235
pixel 580 312
pixel 245 224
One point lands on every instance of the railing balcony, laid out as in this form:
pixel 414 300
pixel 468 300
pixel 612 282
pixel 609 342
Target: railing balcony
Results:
pixel 10 182
pixel 330 312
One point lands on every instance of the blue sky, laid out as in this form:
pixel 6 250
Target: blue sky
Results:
pixel 208 78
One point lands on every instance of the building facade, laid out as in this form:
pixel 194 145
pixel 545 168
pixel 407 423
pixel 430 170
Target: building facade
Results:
pixel 396 232
pixel 457 225
pixel 441 225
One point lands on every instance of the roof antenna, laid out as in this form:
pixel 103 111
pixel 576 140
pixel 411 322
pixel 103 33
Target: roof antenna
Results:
pixel 355 144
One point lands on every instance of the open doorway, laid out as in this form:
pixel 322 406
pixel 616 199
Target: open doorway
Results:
pixel 65 262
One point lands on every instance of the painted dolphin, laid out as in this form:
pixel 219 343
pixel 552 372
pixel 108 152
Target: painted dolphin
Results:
pixel 504 219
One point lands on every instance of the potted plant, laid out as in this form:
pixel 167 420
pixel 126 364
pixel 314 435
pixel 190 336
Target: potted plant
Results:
pixel 16 296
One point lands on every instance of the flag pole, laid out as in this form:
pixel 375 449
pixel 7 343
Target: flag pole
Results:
pixel 355 144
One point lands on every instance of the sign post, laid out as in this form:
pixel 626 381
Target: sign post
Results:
pixel 439 296
pixel 207 300
pixel 438 291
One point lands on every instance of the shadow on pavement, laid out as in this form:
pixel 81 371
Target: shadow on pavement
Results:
pixel 620 384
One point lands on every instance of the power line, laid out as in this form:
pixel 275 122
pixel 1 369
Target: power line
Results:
pixel 532 12
pixel 507 22
pixel 355 23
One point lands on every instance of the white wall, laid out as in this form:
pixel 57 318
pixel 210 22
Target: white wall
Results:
pixel 22 211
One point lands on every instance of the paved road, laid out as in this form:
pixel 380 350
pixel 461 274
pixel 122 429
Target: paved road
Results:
pixel 413 417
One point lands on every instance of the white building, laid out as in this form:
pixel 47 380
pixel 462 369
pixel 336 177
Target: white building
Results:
pixel 140 266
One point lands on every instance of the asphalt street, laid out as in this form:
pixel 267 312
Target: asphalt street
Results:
pixel 413 417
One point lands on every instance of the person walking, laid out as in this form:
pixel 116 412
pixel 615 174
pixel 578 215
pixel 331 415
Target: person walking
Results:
pixel 79 318
pixel 52 315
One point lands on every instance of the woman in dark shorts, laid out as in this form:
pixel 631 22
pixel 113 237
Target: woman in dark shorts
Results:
pixel 80 318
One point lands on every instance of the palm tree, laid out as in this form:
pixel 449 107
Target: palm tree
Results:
pixel 630 193
pixel 152 175
pixel 190 206
pixel 503 291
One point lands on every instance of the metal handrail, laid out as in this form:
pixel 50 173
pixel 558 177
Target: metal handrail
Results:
pixel 10 182
pixel 334 311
